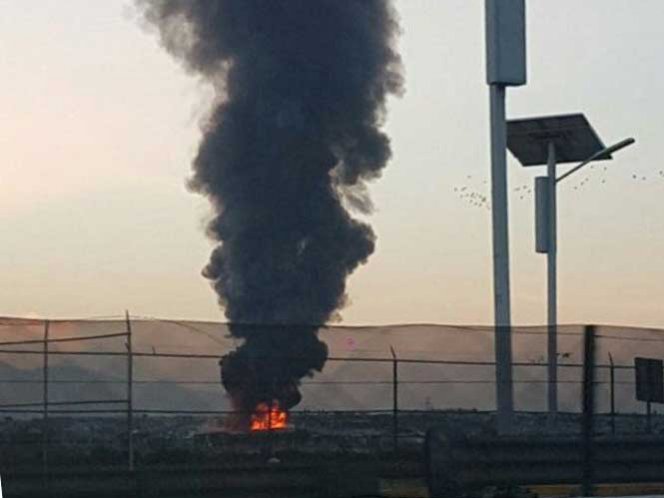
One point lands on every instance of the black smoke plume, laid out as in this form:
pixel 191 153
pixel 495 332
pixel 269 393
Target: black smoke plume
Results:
pixel 295 134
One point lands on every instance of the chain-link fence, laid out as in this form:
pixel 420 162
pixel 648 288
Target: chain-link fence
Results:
pixel 119 374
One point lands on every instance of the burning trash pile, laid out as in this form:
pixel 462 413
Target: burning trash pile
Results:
pixel 287 151
pixel 268 417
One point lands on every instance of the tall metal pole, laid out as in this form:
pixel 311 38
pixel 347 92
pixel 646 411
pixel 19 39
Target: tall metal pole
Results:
pixel 501 275
pixel 552 284
pixel 130 396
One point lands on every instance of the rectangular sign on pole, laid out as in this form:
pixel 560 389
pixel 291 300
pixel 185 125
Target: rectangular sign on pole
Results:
pixel 649 380
pixel 542 214
pixel 506 42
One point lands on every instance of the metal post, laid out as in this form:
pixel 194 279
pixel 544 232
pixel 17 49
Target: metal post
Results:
pixel 501 278
pixel 612 384
pixel 395 399
pixel 552 279
pixel 45 422
pixel 130 395
pixel 588 402
pixel 269 415
pixel 648 417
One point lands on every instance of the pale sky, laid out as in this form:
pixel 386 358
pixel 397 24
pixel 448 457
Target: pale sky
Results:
pixel 98 126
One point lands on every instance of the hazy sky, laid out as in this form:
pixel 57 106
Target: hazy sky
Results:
pixel 98 126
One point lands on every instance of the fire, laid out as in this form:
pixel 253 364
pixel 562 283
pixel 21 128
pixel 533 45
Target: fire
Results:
pixel 268 417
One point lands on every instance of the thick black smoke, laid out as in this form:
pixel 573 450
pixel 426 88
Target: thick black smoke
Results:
pixel 301 88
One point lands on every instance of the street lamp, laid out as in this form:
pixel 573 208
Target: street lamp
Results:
pixel 598 155
pixel 551 140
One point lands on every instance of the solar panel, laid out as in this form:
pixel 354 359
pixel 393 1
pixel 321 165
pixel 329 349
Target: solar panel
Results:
pixel 574 139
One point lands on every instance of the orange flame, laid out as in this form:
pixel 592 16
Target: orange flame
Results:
pixel 268 417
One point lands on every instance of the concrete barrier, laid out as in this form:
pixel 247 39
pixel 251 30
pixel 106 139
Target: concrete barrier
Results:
pixel 456 464
pixel 294 481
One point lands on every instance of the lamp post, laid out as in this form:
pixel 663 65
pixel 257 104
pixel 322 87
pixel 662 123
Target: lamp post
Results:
pixel 552 140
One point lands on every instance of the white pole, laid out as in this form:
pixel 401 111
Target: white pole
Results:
pixel 552 280
pixel 501 275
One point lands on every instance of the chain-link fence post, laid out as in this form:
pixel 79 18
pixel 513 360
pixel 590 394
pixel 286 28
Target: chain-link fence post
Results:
pixel 588 408
pixel 45 421
pixel 395 399
pixel 130 396
pixel 612 393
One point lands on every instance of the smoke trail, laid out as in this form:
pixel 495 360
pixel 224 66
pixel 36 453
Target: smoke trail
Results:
pixel 301 89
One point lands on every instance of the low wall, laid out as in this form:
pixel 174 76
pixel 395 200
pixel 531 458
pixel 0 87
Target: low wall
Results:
pixel 336 476
pixel 456 463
